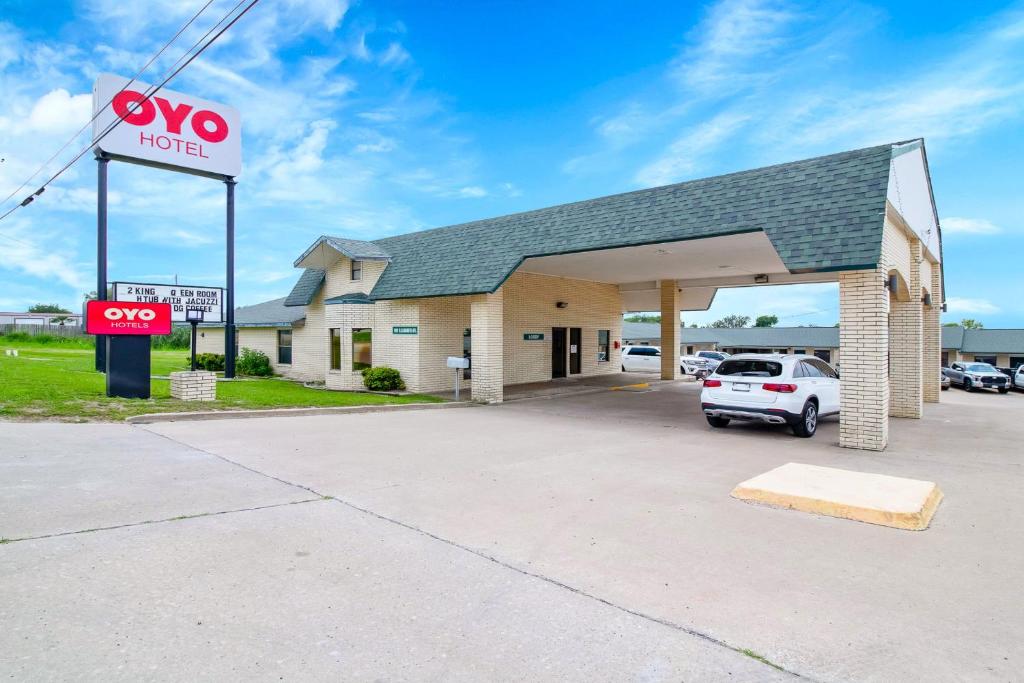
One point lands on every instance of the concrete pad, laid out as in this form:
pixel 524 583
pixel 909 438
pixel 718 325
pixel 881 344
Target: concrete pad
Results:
pixel 317 592
pixel 861 496
pixel 57 478
pixel 621 494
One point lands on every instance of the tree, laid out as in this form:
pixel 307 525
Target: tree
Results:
pixel 732 321
pixel 766 321
pixel 47 308
pixel 971 324
pixel 643 318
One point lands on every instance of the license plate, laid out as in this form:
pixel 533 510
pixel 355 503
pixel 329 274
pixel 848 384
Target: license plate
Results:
pixel 740 386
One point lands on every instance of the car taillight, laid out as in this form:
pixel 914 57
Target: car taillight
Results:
pixel 781 388
pixel 712 383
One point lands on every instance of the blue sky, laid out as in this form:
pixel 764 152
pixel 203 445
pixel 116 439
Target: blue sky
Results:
pixel 377 118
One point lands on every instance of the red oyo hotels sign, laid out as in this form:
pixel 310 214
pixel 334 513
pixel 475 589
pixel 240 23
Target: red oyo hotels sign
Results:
pixel 125 317
pixel 166 127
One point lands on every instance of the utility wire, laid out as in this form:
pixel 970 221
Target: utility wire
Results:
pixel 150 92
pixel 101 109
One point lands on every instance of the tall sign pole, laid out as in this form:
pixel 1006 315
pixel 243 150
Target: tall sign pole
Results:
pixel 229 323
pixel 101 251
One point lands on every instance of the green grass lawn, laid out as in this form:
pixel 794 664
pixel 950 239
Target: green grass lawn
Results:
pixel 57 382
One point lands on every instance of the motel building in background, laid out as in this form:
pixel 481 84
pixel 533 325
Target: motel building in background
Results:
pixel 540 295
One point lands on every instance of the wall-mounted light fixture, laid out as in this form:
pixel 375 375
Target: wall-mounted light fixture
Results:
pixel 926 299
pixel 892 283
pixel 561 304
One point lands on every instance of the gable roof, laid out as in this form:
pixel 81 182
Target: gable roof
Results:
pixel 357 250
pixel 952 336
pixel 820 214
pixel 310 282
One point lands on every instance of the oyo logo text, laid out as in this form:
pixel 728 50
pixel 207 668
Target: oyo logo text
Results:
pixel 133 108
pixel 129 314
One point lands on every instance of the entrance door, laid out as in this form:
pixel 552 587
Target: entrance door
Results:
pixel 575 350
pixel 558 350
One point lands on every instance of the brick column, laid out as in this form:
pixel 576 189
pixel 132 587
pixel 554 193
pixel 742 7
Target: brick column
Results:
pixel 906 337
pixel 931 364
pixel 864 355
pixel 669 330
pixel 486 312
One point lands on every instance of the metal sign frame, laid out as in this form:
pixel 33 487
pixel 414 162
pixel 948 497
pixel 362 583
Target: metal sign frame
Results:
pixel 114 286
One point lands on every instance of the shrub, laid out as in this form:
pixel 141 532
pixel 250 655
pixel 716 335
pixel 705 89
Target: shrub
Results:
pixel 253 363
pixel 382 379
pixel 210 361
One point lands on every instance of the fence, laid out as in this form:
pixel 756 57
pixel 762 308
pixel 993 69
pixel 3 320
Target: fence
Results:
pixel 69 330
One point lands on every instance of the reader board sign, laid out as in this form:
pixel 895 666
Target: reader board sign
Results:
pixel 209 300
pixel 122 317
pixel 168 128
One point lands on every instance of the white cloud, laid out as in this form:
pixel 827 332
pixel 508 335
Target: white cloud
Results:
pixel 956 304
pixel 972 226
pixel 684 154
pixel 472 191
pixel 24 250
pixel 58 112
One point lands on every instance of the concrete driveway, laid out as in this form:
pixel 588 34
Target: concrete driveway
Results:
pixel 580 537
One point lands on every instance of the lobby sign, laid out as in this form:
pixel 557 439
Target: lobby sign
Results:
pixel 168 129
pixel 533 336
pixel 405 329
pixel 123 318
pixel 181 298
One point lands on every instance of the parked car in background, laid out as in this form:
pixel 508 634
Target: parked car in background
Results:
pixel 648 359
pixel 943 381
pixel 795 390
pixel 1018 378
pixel 692 365
pixel 971 376
pixel 713 358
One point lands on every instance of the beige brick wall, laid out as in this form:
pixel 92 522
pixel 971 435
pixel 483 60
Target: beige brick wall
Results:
pixel 529 306
pixel 260 339
pixel 931 362
pixel 486 320
pixel 443 322
pixel 864 343
pixel 399 351
pixel 906 338
pixel 669 296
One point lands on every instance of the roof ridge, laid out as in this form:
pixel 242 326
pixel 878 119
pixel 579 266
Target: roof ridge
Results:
pixel 645 189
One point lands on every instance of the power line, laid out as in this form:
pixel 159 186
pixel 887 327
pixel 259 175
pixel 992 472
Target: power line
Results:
pixel 101 109
pixel 150 92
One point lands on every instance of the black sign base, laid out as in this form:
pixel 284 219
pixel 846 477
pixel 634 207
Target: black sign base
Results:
pixel 128 365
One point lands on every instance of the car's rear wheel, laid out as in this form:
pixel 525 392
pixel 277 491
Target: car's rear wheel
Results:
pixel 968 385
pixel 808 423
pixel 717 422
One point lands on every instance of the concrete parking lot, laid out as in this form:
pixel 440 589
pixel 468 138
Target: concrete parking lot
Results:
pixel 578 537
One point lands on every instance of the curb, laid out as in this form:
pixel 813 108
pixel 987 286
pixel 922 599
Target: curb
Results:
pixel 202 416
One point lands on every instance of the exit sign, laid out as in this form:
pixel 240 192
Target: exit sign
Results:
pixel 533 336
pixel 405 329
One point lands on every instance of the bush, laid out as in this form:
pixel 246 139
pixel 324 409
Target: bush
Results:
pixel 253 363
pixel 210 361
pixel 382 379
pixel 76 342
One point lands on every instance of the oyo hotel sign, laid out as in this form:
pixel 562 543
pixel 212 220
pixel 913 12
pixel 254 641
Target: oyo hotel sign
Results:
pixel 122 317
pixel 167 129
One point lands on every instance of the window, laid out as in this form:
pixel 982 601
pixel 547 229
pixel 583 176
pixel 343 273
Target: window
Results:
pixel 357 270
pixel 991 360
pixel 362 345
pixel 825 369
pixel 644 351
pixel 689 350
pixel 335 348
pixel 467 352
pixel 810 369
pixel 945 359
pixel 750 368
pixel 800 352
pixel 603 337
pixel 824 354
pixel 1016 361
pixel 284 347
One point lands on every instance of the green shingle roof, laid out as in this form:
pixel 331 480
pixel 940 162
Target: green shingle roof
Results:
pixel 310 282
pixel 993 341
pixel 820 214
pixel 357 250
pixel 350 298
pixel 742 337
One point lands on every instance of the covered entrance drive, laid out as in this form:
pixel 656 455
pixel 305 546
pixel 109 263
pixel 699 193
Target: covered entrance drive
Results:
pixel 832 219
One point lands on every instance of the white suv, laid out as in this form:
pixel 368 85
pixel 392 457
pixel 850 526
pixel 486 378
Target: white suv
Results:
pixel 773 388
